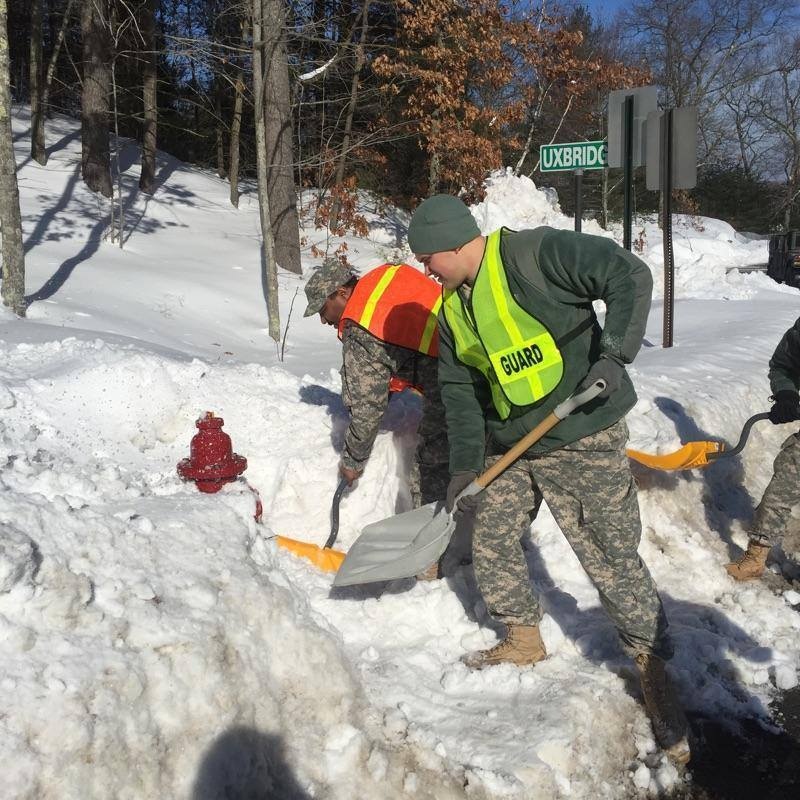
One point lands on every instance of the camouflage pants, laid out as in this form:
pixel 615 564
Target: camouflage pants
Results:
pixel 430 471
pixel 590 491
pixel 777 519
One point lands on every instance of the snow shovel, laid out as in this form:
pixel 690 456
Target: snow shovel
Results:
pixel 407 544
pixel 696 454
pixel 325 558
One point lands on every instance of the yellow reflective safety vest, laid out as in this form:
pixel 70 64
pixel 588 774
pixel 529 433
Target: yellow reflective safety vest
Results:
pixel 516 353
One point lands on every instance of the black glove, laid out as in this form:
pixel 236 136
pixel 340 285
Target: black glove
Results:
pixel 607 368
pixel 786 408
pixel 458 483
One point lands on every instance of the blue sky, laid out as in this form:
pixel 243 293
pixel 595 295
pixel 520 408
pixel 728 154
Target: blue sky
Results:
pixel 602 10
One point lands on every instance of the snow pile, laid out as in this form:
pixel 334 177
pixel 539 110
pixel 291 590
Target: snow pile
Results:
pixel 705 250
pixel 151 647
pixel 516 203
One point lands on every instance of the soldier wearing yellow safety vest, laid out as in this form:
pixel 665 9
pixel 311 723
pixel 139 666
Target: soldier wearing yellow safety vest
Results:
pixel 517 335
pixel 387 322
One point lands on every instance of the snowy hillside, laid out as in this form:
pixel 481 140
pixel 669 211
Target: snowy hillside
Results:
pixel 157 644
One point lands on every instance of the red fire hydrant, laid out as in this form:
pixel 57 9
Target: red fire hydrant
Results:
pixel 211 461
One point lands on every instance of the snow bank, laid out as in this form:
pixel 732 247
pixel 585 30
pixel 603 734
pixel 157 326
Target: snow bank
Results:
pixel 705 250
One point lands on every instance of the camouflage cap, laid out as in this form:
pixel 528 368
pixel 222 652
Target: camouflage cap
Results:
pixel 324 282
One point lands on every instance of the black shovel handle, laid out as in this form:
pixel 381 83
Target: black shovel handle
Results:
pixel 337 496
pixel 742 439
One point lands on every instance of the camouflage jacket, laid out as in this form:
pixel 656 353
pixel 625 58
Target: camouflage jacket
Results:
pixel 784 366
pixel 367 365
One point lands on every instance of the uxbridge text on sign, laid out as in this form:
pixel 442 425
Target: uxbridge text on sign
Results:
pixel 573 155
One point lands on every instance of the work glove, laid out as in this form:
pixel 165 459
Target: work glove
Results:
pixel 786 407
pixel 349 474
pixel 458 483
pixel 607 368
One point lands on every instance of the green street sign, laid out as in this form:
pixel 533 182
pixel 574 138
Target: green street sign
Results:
pixel 573 155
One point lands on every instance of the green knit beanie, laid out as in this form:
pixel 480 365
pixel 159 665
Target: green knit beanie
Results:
pixel 441 222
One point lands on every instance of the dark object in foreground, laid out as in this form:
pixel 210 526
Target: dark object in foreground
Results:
pixel 784 258
pixel 751 763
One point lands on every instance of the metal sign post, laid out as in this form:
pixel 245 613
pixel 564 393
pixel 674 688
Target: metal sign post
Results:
pixel 666 227
pixel 671 164
pixel 627 114
pixel 627 171
pixel 577 156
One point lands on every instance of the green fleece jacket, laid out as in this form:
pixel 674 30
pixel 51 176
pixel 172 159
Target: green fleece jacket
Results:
pixel 554 275
pixel 784 366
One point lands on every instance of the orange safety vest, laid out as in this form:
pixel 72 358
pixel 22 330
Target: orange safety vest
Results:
pixel 398 305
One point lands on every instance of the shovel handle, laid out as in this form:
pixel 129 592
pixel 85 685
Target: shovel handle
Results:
pixel 337 496
pixel 742 439
pixel 561 411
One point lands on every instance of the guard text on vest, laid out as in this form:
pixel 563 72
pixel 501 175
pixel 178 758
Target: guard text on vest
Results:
pixel 520 360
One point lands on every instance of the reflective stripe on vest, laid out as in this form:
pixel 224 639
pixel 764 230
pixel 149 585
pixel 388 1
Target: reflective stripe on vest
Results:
pixel 397 304
pixel 515 352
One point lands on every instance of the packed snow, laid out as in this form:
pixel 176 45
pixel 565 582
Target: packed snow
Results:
pixel 156 643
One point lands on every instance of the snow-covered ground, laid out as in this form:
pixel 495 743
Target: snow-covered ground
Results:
pixel 154 641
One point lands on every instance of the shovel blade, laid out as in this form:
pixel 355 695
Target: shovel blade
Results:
pixel 690 456
pixel 322 557
pixel 397 547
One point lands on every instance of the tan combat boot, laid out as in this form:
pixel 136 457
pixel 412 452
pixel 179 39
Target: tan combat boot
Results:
pixel 432 573
pixel 751 565
pixel 522 646
pixel 663 708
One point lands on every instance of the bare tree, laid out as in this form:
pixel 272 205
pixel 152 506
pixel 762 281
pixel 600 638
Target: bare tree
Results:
pixel 96 157
pixel 13 291
pixel 278 119
pixel 149 98
pixel 699 49
pixel 268 263
pixel 236 122
pixel 38 152
pixel 351 110
pixel 779 108
pixel 219 90
pixel 742 103
pixel 40 95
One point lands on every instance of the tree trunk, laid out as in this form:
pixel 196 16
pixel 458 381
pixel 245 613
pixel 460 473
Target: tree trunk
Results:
pixel 268 264
pixel 51 67
pixel 13 290
pixel 236 126
pixel 116 232
pixel 38 152
pixel 348 124
pixel 193 70
pixel 278 119
pixel 147 179
pixel 95 156
pixel 219 131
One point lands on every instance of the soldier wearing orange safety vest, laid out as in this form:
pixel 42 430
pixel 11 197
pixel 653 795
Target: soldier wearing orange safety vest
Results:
pixel 386 320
